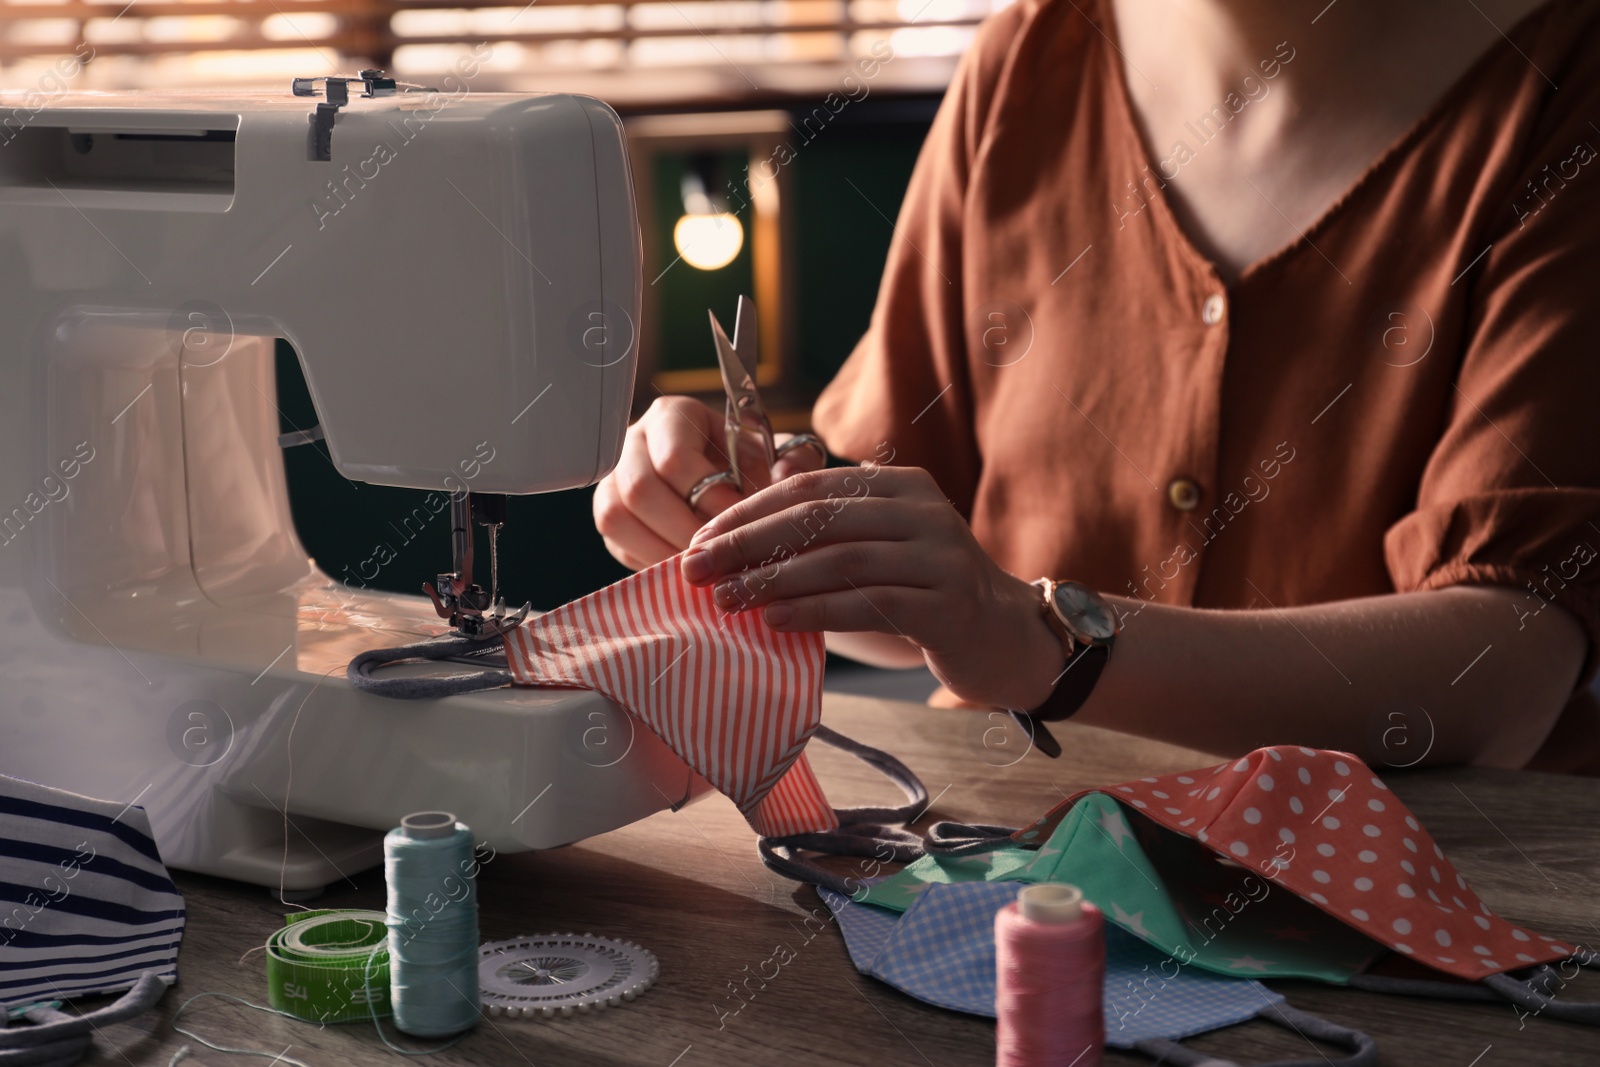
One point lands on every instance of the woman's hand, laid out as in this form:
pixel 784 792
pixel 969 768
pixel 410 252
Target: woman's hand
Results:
pixel 640 508
pixel 880 549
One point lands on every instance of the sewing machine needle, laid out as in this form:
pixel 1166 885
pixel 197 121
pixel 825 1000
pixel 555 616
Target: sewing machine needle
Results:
pixel 494 566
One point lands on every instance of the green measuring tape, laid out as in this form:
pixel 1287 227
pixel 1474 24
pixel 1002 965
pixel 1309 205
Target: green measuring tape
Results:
pixel 330 966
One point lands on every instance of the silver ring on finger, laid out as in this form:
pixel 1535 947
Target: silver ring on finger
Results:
pixel 802 440
pixel 704 486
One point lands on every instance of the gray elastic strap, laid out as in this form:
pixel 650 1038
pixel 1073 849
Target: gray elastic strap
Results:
pixel 1422 987
pixel 1364 1050
pixel 1524 992
pixel 891 768
pixel 889 843
pixel 781 855
pixel 966 839
pixel 360 670
pixel 863 832
pixel 60 1040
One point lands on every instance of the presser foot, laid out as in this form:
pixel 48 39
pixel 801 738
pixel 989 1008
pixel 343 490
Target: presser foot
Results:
pixel 464 608
pixel 497 623
pixel 473 611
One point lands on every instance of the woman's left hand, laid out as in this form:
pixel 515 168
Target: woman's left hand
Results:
pixel 880 549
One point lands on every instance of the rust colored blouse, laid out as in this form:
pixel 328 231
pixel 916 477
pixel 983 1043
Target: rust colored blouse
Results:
pixel 1406 398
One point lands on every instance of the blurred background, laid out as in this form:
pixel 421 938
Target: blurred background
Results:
pixel 650 53
pixel 771 143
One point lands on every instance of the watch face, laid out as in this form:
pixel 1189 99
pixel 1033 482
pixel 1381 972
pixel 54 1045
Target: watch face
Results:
pixel 1084 612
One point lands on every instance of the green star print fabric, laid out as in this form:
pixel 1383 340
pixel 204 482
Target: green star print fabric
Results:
pixel 1166 889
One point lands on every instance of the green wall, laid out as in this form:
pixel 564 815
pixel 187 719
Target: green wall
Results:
pixel 850 173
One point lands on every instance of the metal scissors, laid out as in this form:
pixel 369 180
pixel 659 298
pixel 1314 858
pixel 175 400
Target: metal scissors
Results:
pixel 747 428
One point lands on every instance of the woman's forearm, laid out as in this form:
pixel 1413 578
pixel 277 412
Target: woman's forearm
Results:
pixel 1472 674
pixel 1461 674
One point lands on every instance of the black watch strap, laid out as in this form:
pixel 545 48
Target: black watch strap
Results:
pixel 1072 691
pixel 1077 681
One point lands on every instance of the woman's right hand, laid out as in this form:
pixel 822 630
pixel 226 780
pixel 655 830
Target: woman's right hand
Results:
pixel 640 508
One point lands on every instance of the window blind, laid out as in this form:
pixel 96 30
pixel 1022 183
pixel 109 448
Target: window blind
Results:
pixel 177 43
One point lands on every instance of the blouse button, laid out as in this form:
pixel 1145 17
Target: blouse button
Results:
pixel 1184 494
pixel 1211 310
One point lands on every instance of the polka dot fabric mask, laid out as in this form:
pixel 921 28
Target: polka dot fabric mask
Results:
pixel 1321 825
pixel 1168 890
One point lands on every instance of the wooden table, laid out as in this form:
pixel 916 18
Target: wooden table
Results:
pixel 690 887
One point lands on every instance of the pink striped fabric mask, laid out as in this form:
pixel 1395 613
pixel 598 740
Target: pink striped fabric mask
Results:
pixel 736 699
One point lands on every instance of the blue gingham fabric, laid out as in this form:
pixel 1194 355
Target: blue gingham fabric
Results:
pixel 942 951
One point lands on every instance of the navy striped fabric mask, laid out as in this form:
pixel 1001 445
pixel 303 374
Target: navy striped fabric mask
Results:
pixel 86 905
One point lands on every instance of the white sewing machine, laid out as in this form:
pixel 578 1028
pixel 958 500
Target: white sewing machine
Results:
pixel 460 277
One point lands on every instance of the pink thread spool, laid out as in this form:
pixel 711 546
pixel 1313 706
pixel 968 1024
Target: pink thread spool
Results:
pixel 1050 965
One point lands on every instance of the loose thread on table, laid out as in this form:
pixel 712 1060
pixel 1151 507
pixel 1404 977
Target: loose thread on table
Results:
pixel 377 1025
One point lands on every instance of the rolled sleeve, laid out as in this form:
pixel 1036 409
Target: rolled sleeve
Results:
pixel 1511 493
pixel 1540 542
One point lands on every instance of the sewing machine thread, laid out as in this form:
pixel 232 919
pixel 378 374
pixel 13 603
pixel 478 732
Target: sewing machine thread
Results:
pixel 1050 962
pixel 433 925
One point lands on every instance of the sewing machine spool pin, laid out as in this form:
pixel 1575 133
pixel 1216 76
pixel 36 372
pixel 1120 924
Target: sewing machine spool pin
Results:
pixel 335 95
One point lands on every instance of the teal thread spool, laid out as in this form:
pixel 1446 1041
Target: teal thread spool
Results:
pixel 433 925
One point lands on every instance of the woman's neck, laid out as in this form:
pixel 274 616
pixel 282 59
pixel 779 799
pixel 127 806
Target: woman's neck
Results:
pixel 1306 94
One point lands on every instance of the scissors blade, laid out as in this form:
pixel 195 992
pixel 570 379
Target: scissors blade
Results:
pixel 746 415
pixel 740 390
pixel 744 334
pixel 737 382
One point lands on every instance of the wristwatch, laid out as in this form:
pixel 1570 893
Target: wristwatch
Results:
pixel 1087 627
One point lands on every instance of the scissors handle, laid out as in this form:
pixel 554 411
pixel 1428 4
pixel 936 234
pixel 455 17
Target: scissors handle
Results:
pixel 802 440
